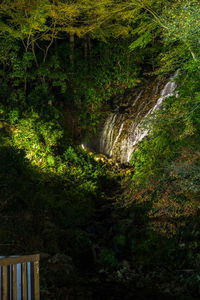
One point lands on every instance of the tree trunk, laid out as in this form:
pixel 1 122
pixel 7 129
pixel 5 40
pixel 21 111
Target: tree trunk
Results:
pixel 71 56
pixel 90 51
pixel 86 53
pixel 85 48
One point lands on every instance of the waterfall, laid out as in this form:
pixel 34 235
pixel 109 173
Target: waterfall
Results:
pixel 124 127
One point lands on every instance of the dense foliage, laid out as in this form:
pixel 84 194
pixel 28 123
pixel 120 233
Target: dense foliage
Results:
pixel 61 64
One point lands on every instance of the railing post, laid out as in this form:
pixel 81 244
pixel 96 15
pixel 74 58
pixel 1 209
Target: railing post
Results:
pixel 14 281
pixel 24 281
pixel 36 280
pixel 5 283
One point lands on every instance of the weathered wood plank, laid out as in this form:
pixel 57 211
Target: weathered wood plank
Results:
pixel 1 282
pixel 14 282
pixel 19 259
pixel 5 283
pixel 37 280
pixel 24 281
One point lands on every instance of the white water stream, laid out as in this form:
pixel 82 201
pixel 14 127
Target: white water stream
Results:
pixel 122 132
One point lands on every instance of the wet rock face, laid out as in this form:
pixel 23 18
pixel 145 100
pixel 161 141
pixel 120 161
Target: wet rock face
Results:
pixel 123 129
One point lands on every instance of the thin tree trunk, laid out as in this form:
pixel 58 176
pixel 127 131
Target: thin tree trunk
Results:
pixel 90 51
pixel 71 56
pixel 33 51
pixel 85 48
pixel 86 53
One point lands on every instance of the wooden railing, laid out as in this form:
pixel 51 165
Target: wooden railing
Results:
pixel 19 277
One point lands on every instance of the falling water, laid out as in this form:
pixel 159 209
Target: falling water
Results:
pixel 124 128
